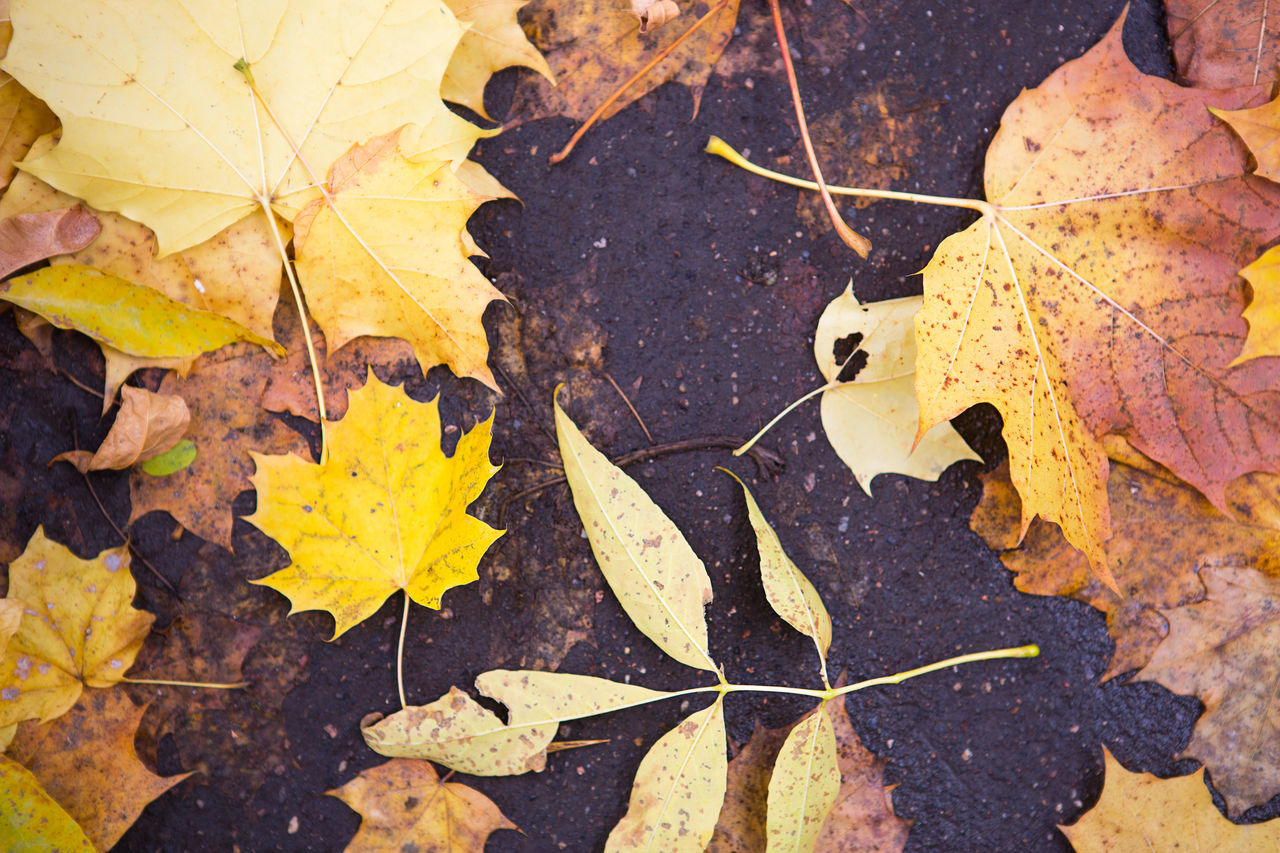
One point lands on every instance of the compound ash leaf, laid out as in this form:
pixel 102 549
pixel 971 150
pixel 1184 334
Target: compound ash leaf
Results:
pixel 789 592
pixel 147 425
pixel 872 420
pixel 659 580
pixel 29 237
pixel 78 628
pixel 86 761
pixel 30 820
pixel 1218 44
pixel 386 512
pixel 679 788
pixel 805 784
pixel 459 733
pixel 1139 811
pixel 1071 341
pixel 404 806
pixel 190 149
pixel 494 41
pixel 1222 650
pixel 382 253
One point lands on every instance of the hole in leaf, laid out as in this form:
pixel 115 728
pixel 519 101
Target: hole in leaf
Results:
pixel 846 353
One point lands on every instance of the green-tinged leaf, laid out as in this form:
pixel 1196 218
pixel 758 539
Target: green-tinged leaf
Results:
pixel 126 316
pixel 871 421
pixel 459 733
pixel 30 821
pixel 788 590
pixel 679 789
pixel 173 460
pixel 804 785
pixel 659 581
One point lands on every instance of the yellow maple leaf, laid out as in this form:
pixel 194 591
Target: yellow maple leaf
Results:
pixel 78 628
pixel 386 512
pixel 494 41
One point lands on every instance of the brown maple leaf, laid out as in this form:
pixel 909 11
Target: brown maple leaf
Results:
pixel 1222 43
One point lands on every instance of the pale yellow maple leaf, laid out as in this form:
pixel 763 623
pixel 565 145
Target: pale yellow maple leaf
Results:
pixel 494 41
pixel 386 512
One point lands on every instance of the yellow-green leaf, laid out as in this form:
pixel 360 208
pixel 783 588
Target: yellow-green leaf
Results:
pixel 679 789
pixel 173 460
pixel 386 512
pixel 125 316
pixel 30 821
pixel 804 785
pixel 659 581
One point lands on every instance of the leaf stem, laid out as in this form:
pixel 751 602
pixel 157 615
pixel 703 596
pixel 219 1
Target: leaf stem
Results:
pixel 751 442
pixel 208 685
pixel 717 146
pixel 404 623
pixel 1029 651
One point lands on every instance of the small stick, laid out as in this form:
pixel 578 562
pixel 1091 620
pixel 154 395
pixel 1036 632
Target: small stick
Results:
pixel 208 685
pixel 537 416
pixel 636 414
pixel 635 78
pixel 125 538
pixel 404 623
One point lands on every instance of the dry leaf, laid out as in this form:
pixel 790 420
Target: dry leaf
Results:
pixel 1022 309
pixel 86 761
pixel 653 14
pixel 872 420
pixel 679 789
pixel 741 825
pixel 1222 650
pixel 1218 44
pixel 659 581
pixel 459 733
pixel 494 41
pixel 1263 313
pixel 224 394
pixel 386 512
pixel 404 806
pixel 147 425
pixel 382 253
pixel 805 784
pixel 78 628
pixel 26 238
pixel 862 818
pixel 23 117
pixel 594 47
pixel 30 820
pixel 1139 811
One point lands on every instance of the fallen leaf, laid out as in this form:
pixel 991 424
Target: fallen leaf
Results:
pixel 458 732
pixel 594 47
pixel 173 460
pixel 1023 311
pixel 79 628
pixel 23 117
pixel 224 393
pixel 30 820
pixel 386 512
pixel 147 425
pixel 404 806
pixel 1218 44
pixel 862 818
pixel 1263 313
pixel 1222 651
pixel 1164 532
pixel 26 238
pixel 805 784
pixel 871 420
pixel 741 825
pixel 86 761
pixel 659 580
pixel 679 788
pixel 788 591
pixel 494 41
pixel 381 252
pixel 125 316
pixel 1139 811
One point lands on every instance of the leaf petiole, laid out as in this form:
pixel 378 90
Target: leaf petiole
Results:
pixel 208 685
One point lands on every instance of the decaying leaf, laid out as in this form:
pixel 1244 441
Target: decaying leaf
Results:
pixel 862 818
pixel 30 820
pixel 789 592
pixel 1218 44
pixel 404 806
pixel 494 41
pixel 79 628
pixel 679 788
pixel 1222 650
pixel 382 252
pixel 659 581
pixel 805 784
pixel 872 420
pixel 1070 343
pixel 594 47
pixel 1139 811
pixel 29 237
pixel 86 761
pixel 386 512
pixel 741 825
pixel 147 425
pixel 459 733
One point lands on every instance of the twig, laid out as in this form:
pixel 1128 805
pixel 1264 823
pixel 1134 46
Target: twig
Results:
pixel 635 78
pixel 537 417
pixel 66 374
pixel 636 414
pixel 125 538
